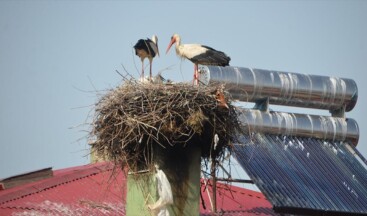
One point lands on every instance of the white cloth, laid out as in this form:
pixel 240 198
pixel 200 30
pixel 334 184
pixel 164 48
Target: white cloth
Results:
pixel 165 195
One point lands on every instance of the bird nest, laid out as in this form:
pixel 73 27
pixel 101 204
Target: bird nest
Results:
pixel 133 119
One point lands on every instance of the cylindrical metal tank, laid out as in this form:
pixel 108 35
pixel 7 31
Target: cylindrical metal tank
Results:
pixel 291 124
pixel 283 88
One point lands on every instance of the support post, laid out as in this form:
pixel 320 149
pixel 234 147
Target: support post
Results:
pixel 182 167
pixel 214 186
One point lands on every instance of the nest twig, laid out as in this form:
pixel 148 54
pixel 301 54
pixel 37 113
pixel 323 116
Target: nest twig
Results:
pixel 133 118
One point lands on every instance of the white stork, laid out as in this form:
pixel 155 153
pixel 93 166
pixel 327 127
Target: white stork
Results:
pixel 146 48
pixel 198 54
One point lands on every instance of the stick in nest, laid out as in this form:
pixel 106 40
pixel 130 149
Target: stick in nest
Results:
pixel 133 117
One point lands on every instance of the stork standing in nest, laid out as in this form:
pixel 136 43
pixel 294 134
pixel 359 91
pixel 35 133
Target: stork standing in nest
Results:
pixel 198 54
pixel 147 48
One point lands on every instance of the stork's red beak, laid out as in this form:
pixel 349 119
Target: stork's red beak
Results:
pixel 173 40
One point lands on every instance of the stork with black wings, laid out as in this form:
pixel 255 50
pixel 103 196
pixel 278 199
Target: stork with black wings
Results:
pixel 198 54
pixel 147 48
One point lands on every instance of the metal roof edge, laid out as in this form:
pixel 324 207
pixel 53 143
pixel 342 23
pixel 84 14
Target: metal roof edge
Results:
pixel 26 173
pixel 25 178
pixel 236 189
pixel 73 174
pixel 309 211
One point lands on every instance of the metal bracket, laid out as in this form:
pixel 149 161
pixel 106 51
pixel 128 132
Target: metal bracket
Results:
pixel 204 75
pixel 340 113
pixel 262 105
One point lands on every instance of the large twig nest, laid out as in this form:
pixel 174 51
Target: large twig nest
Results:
pixel 133 118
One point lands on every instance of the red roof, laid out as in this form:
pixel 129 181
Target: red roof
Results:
pixel 98 189
pixel 235 201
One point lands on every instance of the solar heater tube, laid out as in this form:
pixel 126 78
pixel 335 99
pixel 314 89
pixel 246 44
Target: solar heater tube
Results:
pixel 303 125
pixel 284 88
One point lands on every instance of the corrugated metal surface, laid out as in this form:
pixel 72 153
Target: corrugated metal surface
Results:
pixel 234 201
pixel 85 190
pixel 305 175
pixel 90 190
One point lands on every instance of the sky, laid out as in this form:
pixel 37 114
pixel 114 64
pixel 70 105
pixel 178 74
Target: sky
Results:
pixel 58 57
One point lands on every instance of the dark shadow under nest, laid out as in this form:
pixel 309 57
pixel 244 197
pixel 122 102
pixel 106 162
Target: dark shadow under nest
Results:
pixel 134 119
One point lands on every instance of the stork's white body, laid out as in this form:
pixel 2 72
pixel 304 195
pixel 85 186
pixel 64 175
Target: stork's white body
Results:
pixel 198 54
pixel 189 51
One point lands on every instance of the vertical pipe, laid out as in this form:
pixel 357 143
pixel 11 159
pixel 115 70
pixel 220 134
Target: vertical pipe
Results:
pixel 214 186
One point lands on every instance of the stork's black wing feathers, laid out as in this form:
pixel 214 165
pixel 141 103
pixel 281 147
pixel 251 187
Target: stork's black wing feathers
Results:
pixel 212 57
pixel 209 48
pixel 145 45
pixel 140 45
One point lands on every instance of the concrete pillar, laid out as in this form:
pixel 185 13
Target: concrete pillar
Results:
pixel 182 167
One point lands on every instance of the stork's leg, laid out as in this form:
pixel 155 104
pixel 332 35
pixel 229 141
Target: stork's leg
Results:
pixel 142 71
pixel 195 81
pixel 150 74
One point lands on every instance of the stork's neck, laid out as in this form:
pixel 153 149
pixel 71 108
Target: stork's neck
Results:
pixel 178 41
pixel 178 44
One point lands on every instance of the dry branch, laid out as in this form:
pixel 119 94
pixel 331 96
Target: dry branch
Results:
pixel 133 118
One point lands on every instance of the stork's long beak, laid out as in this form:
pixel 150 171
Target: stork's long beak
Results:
pixel 173 40
pixel 157 50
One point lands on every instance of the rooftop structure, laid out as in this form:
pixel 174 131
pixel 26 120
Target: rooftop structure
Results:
pixel 304 164
pixel 95 189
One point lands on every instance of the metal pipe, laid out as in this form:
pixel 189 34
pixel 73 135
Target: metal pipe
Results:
pixel 291 124
pixel 283 88
pixel 214 186
pixel 235 180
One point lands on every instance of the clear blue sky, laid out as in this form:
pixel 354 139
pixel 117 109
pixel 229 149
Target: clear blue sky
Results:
pixel 55 54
